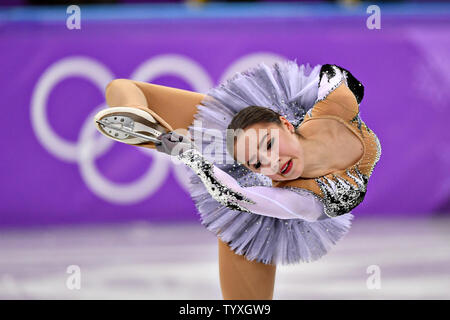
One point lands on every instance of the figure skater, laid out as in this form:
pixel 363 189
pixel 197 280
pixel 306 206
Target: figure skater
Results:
pixel 289 196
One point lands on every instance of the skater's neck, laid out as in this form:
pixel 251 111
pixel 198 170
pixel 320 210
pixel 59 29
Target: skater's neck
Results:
pixel 316 154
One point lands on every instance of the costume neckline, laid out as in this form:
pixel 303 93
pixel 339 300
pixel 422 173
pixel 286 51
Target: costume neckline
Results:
pixel 348 127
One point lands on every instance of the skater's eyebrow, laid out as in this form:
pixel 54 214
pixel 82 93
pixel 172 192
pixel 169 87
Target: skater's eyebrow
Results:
pixel 262 140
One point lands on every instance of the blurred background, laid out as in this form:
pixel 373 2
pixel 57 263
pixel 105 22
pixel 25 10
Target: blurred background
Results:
pixel 119 223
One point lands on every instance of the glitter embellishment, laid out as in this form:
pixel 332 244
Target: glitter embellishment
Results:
pixel 357 119
pixel 220 192
pixel 339 195
pixel 378 152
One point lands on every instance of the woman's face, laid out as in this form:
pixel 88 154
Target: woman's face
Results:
pixel 271 149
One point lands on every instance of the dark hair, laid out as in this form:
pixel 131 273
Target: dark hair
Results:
pixel 247 117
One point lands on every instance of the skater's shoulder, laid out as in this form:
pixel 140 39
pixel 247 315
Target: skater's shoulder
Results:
pixel 339 93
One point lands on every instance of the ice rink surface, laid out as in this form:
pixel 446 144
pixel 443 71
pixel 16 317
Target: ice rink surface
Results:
pixel 154 261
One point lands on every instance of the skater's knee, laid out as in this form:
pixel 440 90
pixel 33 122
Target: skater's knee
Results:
pixel 123 92
pixel 118 83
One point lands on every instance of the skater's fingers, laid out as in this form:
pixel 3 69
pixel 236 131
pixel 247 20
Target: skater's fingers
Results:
pixel 164 136
pixel 169 142
pixel 167 138
pixel 178 137
pixel 172 138
pixel 164 146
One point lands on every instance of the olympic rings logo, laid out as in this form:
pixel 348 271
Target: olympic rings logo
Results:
pixel 91 145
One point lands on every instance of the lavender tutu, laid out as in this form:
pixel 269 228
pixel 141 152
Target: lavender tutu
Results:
pixel 291 90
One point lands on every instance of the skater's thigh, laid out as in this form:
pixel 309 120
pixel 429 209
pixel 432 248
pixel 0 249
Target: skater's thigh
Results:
pixel 244 279
pixel 176 106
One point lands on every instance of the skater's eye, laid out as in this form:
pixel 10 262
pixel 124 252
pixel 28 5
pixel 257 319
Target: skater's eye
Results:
pixel 269 145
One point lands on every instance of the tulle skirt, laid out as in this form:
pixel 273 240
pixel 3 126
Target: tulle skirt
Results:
pixel 291 90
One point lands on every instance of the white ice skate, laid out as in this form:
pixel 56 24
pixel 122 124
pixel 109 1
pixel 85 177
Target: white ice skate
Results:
pixel 128 125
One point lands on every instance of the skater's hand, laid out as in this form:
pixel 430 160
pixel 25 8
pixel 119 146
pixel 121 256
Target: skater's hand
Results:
pixel 173 143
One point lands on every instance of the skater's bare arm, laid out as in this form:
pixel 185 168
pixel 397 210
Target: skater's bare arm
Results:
pixel 267 201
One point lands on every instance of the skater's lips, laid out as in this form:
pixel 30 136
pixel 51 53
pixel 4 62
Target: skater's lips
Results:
pixel 284 166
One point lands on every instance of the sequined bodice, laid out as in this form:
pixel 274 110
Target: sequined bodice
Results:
pixel 342 190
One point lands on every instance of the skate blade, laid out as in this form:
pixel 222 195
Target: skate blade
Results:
pixel 121 131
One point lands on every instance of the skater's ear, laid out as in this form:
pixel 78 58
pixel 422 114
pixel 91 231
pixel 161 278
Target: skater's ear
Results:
pixel 287 124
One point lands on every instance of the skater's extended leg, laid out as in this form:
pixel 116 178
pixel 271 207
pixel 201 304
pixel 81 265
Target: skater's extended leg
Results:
pixel 175 109
pixel 241 279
